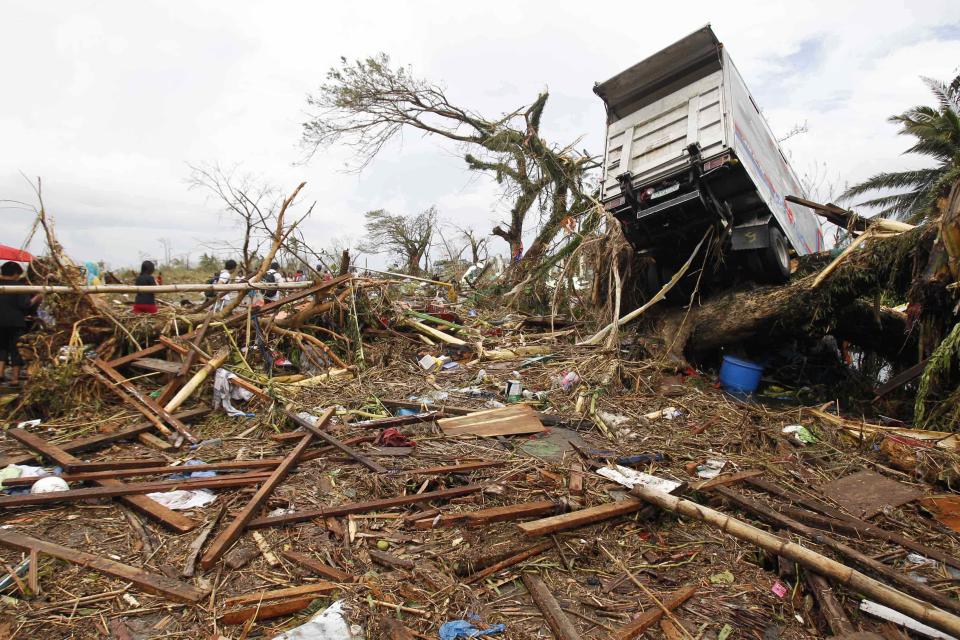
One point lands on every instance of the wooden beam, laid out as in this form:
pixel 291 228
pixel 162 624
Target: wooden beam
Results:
pixel 121 489
pixel 311 564
pixel 278 594
pixel 454 468
pixel 188 359
pixel 397 421
pixel 390 560
pixel 114 465
pixel 229 536
pixel 266 612
pixel 361 507
pixel 580 518
pixel 143 504
pixel 265 463
pixel 493 514
pixel 92 442
pixel 149 582
pixel 145 400
pixel 556 619
pixel 128 400
pixel 516 558
pixel 308 426
pixel 653 614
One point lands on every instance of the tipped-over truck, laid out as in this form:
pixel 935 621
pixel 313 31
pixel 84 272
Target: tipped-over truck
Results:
pixel 687 148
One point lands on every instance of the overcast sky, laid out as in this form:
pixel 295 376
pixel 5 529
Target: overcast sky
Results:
pixel 109 101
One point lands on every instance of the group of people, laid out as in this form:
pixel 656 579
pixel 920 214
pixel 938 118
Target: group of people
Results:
pixel 16 314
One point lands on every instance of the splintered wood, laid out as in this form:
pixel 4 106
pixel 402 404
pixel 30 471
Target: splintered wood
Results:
pixel 513 420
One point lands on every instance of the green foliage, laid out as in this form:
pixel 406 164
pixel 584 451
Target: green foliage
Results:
pixel 937 133
pixel 938 368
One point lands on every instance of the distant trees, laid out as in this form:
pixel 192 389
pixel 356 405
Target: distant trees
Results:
pixel 406 237
pixel 368 102
pixel 936 130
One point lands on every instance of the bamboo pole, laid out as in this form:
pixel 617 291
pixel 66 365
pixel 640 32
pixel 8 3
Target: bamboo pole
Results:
pixel 435 333
pixel 158 288
pixel 851 578
pixel 212 365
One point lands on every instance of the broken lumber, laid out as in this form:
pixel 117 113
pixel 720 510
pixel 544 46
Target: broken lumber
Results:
pixel 512 420
pixel 854 580
pixel 190 566
pixel 493 514
pixel 149 582
pixel 121 489
pixel 556 619
pixel 360 507
pixel 516 558
pixel 649 618
pixel 229 536
pixel 395 630
pixel 143 504
pixel 305 561
pixel 580 517
pixel 92 442
pixel 454 468
pixel 317 431
pixel 279 594
pixel 266 463
pixel 112 465
pixel 267 611
pixel 831 608
pixel 209 367
pixel 187 362
pixel 390 560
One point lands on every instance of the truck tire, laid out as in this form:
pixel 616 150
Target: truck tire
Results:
pixel 772 263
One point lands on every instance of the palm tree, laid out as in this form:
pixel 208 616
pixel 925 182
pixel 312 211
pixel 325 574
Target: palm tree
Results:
pixel 937 133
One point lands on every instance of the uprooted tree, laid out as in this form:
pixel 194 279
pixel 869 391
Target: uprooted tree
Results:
pixel 367 103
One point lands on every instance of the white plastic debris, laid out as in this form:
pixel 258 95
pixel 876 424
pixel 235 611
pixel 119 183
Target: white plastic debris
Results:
pixel 428 362
pixel 631 477
pixel 612 419
pixel 224 393
pixel 181 499
pixel 710 469
pixel 49 484
pixel 669 413
pixel 329 624
pixel 29 424
pixel 886 613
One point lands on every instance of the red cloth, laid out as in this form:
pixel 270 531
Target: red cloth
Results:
pixel 393 438
pixel 144 308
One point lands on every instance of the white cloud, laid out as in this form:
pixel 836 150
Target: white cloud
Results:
pixel 108 105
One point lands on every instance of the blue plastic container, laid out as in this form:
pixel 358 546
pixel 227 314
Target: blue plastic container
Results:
pixel 739 376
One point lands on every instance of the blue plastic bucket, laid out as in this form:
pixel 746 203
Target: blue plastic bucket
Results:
pixel 739 376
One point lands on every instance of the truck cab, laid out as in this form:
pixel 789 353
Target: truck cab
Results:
pixel 687 148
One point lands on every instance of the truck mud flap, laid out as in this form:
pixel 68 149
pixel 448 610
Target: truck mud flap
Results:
pixel 674 202
pixel 753 235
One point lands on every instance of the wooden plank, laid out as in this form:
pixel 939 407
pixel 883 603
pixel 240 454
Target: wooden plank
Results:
pixel 264 463
pixel 190 566
pixel 279 594
pixel 308 426
pixel 145 400
pixel 121 489
pixel 493 514
pixel 397 421
pixel 724 480
pixel 229 536
pixel 156 364
pixel 183 368
pixel 650 617
pixel 361 507
pixel 517 558
pixel 92 442
pixel 149 582
pixel 111 465
pixel 557 620
pixel 143 504
pixel 128 400
pixel 266 612
pixel 580 518
pixel 305 561
pixel 512 420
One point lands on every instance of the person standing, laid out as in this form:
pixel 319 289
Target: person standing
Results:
pixel 226 277
pixel 272 276
pixel 13 321
pixel 145 302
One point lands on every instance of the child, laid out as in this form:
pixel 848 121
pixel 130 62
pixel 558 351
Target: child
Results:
pixel 145 302
pixel 13 322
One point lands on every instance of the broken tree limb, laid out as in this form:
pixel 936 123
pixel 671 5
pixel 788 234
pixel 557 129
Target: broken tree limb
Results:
pixel 831 608
pixel 852 579
pixel 149 582
pixel 143 504
pixel 558 621
pixel 599 336
pixel 190 566
pixel 209 367
pixel 830 268
pixel 580 518
pixel 328 572
pixel 229 536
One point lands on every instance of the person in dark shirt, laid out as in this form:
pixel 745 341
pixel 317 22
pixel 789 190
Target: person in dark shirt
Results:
pixel 145 302
pixel 13 322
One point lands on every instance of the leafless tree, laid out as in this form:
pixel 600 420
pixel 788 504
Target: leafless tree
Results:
pixel 406 237
pixel 368 102
pixel 475 242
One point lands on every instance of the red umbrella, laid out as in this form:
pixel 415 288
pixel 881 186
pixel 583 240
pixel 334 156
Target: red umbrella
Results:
pixel 12 253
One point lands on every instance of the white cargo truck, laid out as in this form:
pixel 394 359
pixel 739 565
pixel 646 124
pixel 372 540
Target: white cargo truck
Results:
pixel 686 148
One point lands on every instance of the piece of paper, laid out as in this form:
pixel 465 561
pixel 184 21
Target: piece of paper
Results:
pixel 329 624
pixel 891 615
pixel 181 499
pixel 631 477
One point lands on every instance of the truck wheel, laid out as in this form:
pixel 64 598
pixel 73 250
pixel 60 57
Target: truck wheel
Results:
pixel 772 263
